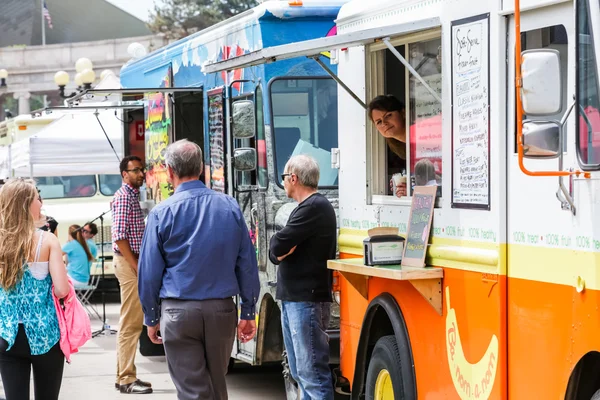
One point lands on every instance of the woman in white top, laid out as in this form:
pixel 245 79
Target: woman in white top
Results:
pixel 30 266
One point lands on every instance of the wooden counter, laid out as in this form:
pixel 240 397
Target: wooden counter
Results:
pixel 427 281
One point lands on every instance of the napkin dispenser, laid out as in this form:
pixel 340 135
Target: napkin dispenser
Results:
pixel 383 250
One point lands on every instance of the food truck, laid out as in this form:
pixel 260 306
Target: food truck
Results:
pixel 248 122
pixel 503 96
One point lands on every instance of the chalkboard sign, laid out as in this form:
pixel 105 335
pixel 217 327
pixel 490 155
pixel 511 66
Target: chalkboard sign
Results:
pixel 216 137
pixel 419 226
pixel 470 85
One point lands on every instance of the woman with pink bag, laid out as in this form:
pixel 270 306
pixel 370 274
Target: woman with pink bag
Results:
pixel 30 265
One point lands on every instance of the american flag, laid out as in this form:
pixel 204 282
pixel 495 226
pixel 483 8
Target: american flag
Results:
pixel 47 15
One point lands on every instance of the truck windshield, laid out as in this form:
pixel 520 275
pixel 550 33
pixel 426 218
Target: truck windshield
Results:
pixel 64 187
pixel 109 184
pixel 305 122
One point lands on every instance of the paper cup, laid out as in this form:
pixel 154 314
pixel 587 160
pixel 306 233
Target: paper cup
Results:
pixel 398 179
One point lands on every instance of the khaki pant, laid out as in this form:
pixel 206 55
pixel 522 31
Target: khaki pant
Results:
pixel 131 322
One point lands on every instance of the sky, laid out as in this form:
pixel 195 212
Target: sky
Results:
pixel 139 8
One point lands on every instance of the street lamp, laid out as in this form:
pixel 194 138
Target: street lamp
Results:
pixel 83 64
pixel 84 77
pixel 61 78
pixel 88 76
pixel 3 76
pixel 78 80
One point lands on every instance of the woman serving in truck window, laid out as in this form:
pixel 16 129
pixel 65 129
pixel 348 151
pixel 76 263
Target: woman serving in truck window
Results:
pixel 388 115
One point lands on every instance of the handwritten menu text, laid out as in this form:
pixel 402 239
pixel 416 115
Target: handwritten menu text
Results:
pixel 470 113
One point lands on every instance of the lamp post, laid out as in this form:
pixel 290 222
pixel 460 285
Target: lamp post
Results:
pixel 61 78
pixel 84 78
pixel 3 76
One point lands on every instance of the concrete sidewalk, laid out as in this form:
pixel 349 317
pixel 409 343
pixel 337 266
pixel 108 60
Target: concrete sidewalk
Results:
pixel 91 374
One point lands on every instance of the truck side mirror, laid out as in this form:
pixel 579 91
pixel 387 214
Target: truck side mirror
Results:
pixel 542 82
pixel 244 159
pixel 243 123
pixel 541 139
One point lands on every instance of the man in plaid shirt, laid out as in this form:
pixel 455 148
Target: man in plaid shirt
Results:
pixel 127 233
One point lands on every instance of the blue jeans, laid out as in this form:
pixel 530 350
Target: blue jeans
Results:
pixel 307 345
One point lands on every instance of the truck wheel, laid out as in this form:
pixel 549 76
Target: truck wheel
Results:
pixel 384 377
pixel 292 391
pixel 596 395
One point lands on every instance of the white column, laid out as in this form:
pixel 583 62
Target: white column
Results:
pixel 23 98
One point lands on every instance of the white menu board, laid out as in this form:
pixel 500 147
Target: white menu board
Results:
pixel 470 113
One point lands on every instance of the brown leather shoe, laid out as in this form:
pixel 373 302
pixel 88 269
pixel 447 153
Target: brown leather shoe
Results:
pixel 135 388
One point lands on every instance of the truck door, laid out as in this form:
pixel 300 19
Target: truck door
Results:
pixel 188 118
pixel 248 171
pixel 216 168
pixel 540 227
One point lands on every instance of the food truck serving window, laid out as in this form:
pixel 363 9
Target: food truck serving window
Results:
pixel 410 153
pixel 305 122
pixel 64 187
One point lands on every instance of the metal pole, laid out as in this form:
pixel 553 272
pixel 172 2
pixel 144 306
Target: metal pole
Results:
pixel 400 58
pixel 339 81
pixel 96 114
pixel 43 23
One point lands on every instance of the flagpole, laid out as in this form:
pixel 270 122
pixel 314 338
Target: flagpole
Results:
pixel 43 24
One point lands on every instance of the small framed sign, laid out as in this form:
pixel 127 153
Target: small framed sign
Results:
pixel 419 226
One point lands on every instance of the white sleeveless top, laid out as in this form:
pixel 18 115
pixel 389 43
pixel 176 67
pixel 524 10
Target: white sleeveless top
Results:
pixel 39 270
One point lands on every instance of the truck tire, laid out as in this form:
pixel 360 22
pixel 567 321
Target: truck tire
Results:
pixel 384 376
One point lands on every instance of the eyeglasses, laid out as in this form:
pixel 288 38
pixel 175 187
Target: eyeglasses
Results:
pixel 284 175
pixel 137 170
pixel 88 232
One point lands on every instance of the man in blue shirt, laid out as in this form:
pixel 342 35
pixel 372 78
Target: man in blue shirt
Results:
pixel 196 255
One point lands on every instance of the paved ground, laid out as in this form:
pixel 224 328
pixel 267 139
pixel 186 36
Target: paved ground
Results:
pixel 90 376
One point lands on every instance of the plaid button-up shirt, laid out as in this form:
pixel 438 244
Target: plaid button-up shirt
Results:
pixel 127 218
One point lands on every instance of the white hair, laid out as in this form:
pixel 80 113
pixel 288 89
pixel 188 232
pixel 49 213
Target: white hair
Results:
pixel 184 158
pixel 305 168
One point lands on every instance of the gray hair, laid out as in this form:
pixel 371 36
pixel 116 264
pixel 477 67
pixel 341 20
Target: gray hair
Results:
pixel 424 172
pixel 305 168
pixel 184 158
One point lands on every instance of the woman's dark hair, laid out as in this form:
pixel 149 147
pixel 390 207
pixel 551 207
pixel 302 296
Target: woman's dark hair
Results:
pixel 386 103
pixel 125 162
pixel 75 233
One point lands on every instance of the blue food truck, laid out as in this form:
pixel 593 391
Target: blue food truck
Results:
pixel 248 122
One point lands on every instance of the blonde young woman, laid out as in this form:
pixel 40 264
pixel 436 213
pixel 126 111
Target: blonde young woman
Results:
pixel 30 264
